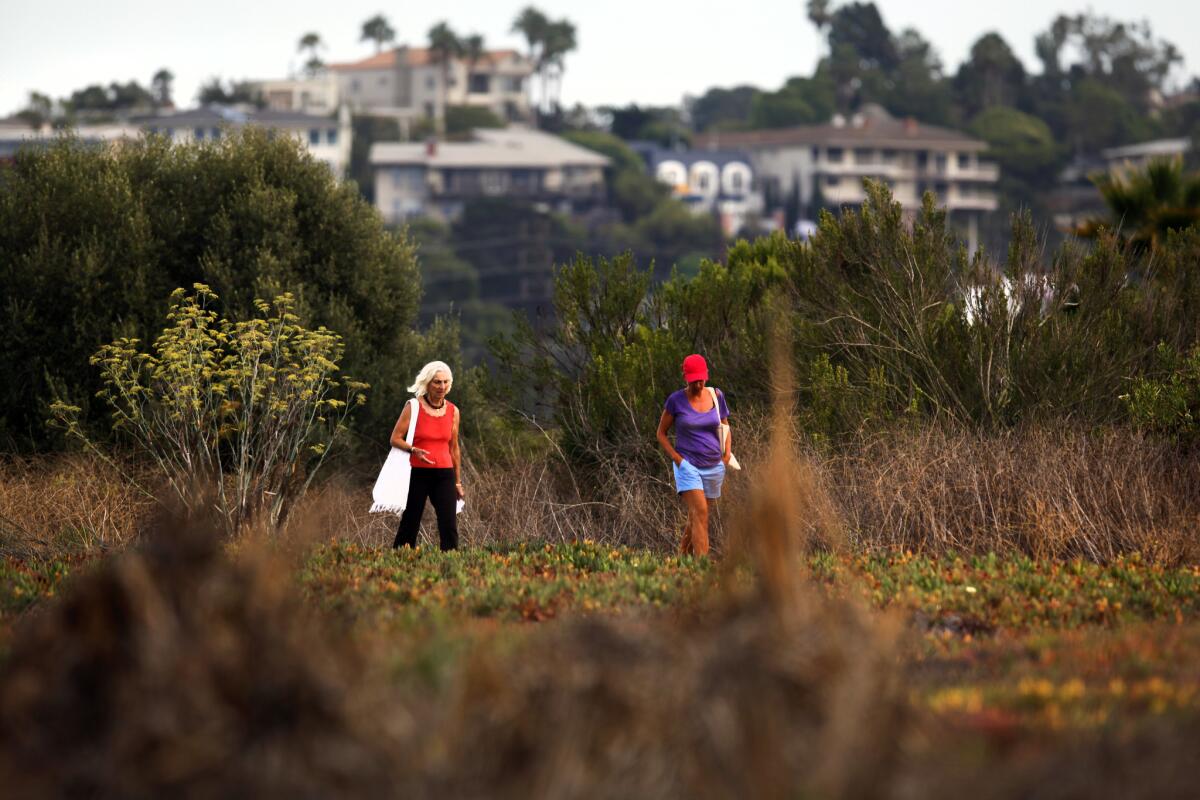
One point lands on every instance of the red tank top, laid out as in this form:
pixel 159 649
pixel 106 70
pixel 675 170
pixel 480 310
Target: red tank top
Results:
pixel 433 434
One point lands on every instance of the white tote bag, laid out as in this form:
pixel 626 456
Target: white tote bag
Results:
pixel 390 494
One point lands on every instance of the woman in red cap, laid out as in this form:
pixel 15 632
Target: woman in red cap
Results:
pixel 697 413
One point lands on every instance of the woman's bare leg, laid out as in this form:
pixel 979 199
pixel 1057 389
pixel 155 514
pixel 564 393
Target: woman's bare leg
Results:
pixel 697 525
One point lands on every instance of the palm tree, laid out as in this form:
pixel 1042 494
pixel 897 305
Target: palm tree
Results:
pixel 473 52
pixel 534 25
pixel 1144 205
pixel 377 30
pixel 160 87
pixel 444 47
pixel 819 14
pixel 559 40
pixel 312 43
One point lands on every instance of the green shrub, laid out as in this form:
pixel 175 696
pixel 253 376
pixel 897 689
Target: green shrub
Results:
pixel 1171 405
pixel 1040 341
pixel 602 368
pixel 245 411
pixel 92 241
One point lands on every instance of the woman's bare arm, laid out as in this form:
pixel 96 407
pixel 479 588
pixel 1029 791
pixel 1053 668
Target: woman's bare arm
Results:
pixel 664 424
pixel 401 429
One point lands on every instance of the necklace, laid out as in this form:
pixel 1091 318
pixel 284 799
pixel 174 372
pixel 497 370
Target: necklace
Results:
pixel 436 408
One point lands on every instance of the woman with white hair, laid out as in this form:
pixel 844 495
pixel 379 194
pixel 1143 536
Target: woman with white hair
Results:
pixel 435 456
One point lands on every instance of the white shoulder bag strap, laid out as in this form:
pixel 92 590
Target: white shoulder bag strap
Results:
pixel 724 428
pixel 412 422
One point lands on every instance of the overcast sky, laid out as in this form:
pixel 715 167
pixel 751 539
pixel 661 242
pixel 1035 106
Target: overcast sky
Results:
pixel 644 51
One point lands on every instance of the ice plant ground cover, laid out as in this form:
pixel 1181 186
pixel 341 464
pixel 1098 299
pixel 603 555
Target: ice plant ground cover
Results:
pixel 996 645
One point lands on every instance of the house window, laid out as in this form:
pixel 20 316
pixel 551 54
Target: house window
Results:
pixel 429 110
pixel 493 181
pixel 331 136
pixel 314 136
pixel 479 83
pixel 215 134
pixel 939 163
pixel 199 134
pixel 355 85
pixel 834 155
pixel 407 179
pixel 862 155
pixel 964 161
pixel 430 82
pixel 832 181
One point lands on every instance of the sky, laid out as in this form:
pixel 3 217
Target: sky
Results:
pixel 652 52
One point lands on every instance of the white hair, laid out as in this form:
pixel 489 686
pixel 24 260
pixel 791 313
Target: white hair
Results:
pixel 426 375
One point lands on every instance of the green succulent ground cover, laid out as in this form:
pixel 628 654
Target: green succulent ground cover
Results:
pixel 995 643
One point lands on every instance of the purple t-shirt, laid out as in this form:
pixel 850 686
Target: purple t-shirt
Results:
pixel 697 433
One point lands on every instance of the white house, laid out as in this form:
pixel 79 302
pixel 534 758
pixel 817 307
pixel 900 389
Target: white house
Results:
pixel 831 160
pixel 316 94
pixel 719 182
pixel 328 138
pixel 437 178
pixel 1138 156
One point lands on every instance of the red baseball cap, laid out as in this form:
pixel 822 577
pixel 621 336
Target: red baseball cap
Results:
pixel 695 368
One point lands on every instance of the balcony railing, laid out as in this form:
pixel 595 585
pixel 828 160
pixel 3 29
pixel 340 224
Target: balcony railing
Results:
pixel 881 168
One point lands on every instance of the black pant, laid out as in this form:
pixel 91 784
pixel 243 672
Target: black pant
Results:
pixel 438 485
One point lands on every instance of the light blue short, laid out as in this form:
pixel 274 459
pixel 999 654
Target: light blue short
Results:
pixel 689 477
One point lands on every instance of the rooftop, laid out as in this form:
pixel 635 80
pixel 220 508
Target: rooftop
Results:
pixel 206 116
pixel 416 57
pixel 873 125
pixel 1155 147
pixel 508 147
pixel 655 154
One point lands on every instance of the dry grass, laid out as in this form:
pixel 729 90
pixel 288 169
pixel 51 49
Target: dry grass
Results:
pixel 67 503
pixel 545 500
pixel 1046 493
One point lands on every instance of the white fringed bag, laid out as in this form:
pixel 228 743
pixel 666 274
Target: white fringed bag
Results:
pixel 390 494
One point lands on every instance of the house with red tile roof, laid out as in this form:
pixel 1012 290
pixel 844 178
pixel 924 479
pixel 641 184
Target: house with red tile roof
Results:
pixel 406 83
